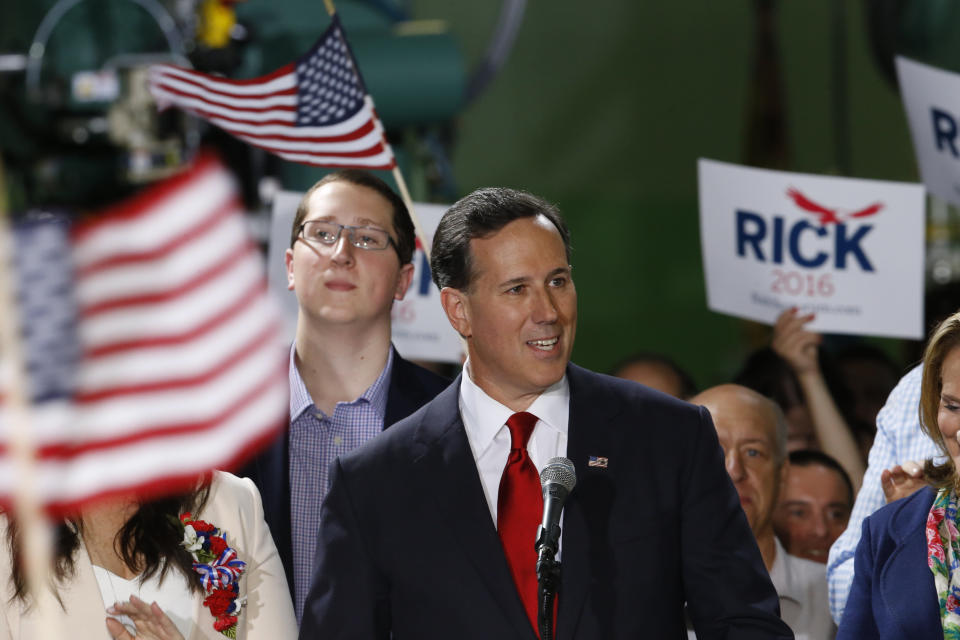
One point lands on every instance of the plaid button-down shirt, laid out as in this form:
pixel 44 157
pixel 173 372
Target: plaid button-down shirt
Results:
pixel 316 440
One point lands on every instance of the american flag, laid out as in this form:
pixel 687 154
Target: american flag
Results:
pixel 313 111
pixel 179 367
pixel 41 258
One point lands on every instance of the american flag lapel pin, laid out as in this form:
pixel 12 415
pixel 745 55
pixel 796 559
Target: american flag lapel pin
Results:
pixel 597 461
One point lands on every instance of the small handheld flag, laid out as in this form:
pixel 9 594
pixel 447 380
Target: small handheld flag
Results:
pixel 313 111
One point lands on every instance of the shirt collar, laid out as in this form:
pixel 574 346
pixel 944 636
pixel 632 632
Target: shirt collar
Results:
pixel 485 416
pixel 300 399
pixel 376 393
pixel 781 574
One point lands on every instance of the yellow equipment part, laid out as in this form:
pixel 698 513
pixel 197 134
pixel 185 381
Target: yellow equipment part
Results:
pixel 215 22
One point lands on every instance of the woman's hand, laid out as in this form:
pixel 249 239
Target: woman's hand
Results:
pixel 151 622
pixel 795 345
pixel 902 480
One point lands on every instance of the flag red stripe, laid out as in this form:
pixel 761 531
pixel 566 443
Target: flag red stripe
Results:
pixel 64 451
pixel 198 82
pixel 144 202
pixel 348 165
pixel 228 105
pixel 163 296
pixel 253 123
pixel 273 75
pixel 204 226
pixel 250 347
pixel 265 123
pixel 363 153
pixel 361 131
pixel 163 486
pixel 255 290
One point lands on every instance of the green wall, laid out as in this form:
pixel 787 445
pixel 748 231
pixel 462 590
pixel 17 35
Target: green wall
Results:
pixel 604 108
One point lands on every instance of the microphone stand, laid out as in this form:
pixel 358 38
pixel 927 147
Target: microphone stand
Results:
pixel 548 578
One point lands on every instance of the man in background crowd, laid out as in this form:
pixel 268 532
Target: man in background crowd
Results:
pixel 790 372
pixel 350 255
pixel 658 372
pixel 753 433
pixel 814 506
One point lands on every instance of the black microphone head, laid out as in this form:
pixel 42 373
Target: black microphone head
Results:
pixel 560 471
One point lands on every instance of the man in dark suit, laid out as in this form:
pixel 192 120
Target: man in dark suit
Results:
pixel 350 256
pixel 418 534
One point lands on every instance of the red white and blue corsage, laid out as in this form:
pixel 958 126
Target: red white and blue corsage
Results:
pixel 219 570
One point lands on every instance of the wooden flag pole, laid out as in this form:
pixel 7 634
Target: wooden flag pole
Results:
pixel 397 175
pixel 407 200
pixel 36 538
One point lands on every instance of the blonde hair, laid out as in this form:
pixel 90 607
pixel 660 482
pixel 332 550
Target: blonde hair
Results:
pixel 944 339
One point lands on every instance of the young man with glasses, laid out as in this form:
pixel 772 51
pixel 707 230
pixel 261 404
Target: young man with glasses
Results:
pixel 350 256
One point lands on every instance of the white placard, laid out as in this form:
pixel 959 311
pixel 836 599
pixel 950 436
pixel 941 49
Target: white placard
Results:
pixel 851 251
pixel 931 98
pixel 421 330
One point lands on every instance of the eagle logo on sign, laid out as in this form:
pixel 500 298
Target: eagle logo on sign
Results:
pixel 826 214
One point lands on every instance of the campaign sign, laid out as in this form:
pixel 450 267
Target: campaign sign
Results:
pixel 931 98
pixel 421 330
pixel 850 251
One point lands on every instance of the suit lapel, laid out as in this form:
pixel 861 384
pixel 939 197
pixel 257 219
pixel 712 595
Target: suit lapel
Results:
pixel 202 622
pixel 906 571
pixel 403 397
pixel 273 470
pixel 85 608
pixel 590 433
pixel 444 467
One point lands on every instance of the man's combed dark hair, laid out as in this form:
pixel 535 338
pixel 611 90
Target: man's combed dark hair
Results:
pixel 149 543
pixel 402 223
pixel 479 215
pixel 811 457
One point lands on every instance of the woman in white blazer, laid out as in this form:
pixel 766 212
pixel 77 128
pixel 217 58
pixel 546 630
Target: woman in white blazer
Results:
pixel 93 574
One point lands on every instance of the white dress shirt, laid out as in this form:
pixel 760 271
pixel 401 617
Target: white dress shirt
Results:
pixel 485 421
pixel 802 587
pixel 173 594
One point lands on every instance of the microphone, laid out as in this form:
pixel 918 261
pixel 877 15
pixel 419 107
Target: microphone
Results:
pixel 557 481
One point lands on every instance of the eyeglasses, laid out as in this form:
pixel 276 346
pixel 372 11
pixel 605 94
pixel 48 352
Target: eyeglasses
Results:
pixel 328 233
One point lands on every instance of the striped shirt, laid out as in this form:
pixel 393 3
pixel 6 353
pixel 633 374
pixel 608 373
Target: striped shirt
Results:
pixel 316 440
pixel 898 440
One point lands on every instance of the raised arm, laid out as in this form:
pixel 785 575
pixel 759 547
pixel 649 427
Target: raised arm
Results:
pixel 799 348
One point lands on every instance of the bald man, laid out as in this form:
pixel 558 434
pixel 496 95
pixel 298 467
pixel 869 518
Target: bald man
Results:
pixel 658 372
pixel 753 433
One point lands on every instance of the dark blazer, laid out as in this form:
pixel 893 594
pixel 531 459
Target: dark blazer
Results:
pixel 893 595
pixel 407 543
pixel 411 387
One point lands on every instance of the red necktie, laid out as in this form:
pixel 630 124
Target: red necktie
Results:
pixel 519 511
